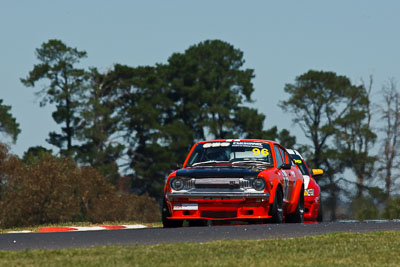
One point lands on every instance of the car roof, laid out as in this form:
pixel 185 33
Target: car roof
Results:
pixel 238 140
pixel 294 152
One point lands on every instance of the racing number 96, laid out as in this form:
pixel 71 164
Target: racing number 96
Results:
pixel 257 151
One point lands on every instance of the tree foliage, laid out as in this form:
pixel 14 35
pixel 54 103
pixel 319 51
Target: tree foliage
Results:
pixel 98 130
pixel 209 85
pixel 324 104
pixel 354 139
pixel 35 154
pixel 64 89
pixel 146 127
pixel 8 124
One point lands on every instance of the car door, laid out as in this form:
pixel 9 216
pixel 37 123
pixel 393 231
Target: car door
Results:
pixel 284 173
pixel 289 173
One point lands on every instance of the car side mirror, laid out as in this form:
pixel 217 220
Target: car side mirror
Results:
pixel 286 166
pixel 317 172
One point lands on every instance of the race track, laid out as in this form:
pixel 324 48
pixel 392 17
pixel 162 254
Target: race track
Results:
pixel 187 234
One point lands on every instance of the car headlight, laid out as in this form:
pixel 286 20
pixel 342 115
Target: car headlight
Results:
pixel 309 192
pixel 177 183
pixel 259 184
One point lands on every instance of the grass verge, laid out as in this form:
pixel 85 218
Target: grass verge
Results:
pixel 338 249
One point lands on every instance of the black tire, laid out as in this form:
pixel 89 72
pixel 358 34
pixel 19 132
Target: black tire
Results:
pixel 197 222
pixel 276 210
pixel 169 223
pixel 320 216
pixel 298 215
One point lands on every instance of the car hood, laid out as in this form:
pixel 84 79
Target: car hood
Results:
pixel 218 172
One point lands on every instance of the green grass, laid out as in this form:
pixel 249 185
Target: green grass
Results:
pixel 340 249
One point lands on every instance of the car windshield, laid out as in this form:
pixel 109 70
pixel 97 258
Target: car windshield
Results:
pixel 300 163
pixel 231 152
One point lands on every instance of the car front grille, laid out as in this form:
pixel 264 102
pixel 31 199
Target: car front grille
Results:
pixel 221 183
pixel 217 183
pixel 225 184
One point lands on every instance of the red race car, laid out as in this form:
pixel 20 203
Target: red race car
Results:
pixel 253 180
pixel 312 192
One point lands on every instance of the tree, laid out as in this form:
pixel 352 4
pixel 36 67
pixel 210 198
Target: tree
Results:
pixel 390 116
pixel 250 124
pixel 354 139
pixel 8 124
pixel 98 131
pixel 150 132
pixel 283 137
pixel 319 100
pixel 35 154
pixel 64 89
pixel 209 86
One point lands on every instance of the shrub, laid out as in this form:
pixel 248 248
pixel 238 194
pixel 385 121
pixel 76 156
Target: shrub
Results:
pixel 392 210
pixel 364 208
pixel 56 190
pixel 37 195
pixel 140 208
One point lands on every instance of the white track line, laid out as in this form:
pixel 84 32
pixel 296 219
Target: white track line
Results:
pixel 135 226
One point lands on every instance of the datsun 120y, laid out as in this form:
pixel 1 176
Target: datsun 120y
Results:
pixel 251 180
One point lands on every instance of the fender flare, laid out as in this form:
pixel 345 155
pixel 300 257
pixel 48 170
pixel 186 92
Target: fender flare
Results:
pixel 295 195
pixel 275 184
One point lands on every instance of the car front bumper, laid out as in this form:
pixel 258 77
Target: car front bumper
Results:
pixel 218 206
pixel 311 205
pixel 216 195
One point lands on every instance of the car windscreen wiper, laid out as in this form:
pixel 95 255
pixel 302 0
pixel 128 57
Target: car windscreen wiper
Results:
pixel 208 162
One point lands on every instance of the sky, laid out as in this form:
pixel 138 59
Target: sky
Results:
pixel 280 41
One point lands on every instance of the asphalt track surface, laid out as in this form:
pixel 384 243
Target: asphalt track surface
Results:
pixel 64 240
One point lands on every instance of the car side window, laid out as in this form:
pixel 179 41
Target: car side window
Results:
pixel 292 160
pixel 285 155
pixel 288 158
pixel 278 156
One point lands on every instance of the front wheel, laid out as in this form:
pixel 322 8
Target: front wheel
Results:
pixel 169 223
pixel 276 210
pixel 298 215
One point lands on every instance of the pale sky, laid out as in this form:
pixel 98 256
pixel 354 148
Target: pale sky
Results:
pixel 280 40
